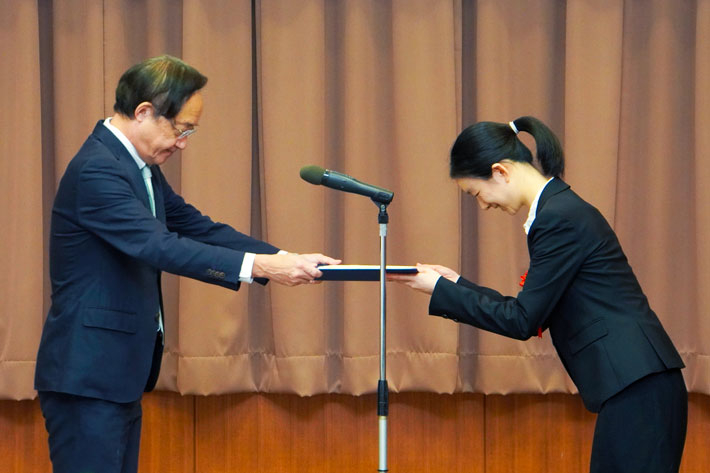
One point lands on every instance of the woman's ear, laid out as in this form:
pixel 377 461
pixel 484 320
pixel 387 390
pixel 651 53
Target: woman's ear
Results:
pixel 501 170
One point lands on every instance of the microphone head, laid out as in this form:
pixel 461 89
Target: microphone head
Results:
pixel 312 174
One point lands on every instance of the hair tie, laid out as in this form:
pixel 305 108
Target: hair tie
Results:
pixel 512 125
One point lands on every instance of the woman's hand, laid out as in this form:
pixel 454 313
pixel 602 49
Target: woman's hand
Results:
pixel 448 273
pixel 425 280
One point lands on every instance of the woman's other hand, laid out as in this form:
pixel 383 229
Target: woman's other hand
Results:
pixel 426 278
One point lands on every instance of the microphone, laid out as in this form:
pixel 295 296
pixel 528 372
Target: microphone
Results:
pixel 342 182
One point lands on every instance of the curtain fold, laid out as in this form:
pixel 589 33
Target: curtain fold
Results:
pixel 21 254
pixel 215 345
pixel 696 347
pixel 656 191
pixel 518 60
pixel 378 90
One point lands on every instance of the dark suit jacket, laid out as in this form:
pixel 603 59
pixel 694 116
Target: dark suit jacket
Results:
pixel 581 287
pixel 106 255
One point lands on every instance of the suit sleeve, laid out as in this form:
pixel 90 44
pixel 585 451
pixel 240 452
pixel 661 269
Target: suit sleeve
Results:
pixel 483 290
pixel 187 221
pixel 108 207
pixel 557 253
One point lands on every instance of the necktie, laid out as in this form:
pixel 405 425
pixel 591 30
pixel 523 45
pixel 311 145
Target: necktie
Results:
pixel 148 179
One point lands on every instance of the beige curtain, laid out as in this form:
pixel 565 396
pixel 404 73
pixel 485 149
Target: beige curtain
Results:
pixel 379 90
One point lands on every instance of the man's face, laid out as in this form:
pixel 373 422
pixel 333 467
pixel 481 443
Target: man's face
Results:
pixel 160 137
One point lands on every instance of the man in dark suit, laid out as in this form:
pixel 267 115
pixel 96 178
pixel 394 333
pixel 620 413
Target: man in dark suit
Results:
pixel 116 225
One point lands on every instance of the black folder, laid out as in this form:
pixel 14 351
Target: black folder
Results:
pixel 360 272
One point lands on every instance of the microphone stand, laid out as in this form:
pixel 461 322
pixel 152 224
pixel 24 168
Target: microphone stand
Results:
pixel 382 390
pixel 381 197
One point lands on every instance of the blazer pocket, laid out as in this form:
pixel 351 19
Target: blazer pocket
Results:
pixel 110 319
pixel 587 336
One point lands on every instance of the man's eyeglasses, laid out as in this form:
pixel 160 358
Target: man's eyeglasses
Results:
pixel 180 134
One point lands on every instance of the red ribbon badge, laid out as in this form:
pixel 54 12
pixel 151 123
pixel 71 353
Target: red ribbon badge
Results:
pixel 522 284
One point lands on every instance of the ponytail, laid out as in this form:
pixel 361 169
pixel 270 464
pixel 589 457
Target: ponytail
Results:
pixel 480 146
pixel 549 151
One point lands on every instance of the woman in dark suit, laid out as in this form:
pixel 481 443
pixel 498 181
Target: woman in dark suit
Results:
pixel 579 286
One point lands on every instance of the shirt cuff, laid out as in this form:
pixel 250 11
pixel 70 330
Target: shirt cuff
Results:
pixel 245 274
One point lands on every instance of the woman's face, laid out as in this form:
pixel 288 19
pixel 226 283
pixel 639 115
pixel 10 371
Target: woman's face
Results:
pixel 496 192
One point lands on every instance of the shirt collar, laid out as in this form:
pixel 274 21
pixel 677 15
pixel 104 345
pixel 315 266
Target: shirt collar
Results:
pixel 532 213
pixel 127 143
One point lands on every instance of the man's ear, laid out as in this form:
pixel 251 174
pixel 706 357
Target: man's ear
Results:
pixel 143 110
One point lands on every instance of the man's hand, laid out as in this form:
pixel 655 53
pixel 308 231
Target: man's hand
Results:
pixel 290 269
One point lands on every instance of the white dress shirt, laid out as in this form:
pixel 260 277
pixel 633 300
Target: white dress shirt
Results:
pixel 532 213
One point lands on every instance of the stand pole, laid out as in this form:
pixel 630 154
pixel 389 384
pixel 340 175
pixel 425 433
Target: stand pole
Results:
pixel 382 390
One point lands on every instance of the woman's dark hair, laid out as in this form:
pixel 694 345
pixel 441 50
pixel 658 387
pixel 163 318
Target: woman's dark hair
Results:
pixel 482 145
pixel 164 81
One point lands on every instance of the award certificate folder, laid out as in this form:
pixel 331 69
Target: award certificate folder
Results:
pixel 360 272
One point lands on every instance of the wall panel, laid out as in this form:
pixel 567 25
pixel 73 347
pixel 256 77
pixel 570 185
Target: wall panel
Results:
pixel 428 433
pixel 537 433
pixel 168 436
pixel 696 456
pixel 23 439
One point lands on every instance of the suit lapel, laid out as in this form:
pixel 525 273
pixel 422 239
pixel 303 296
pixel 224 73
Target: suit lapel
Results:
pixel 105 136
pixel 555 186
